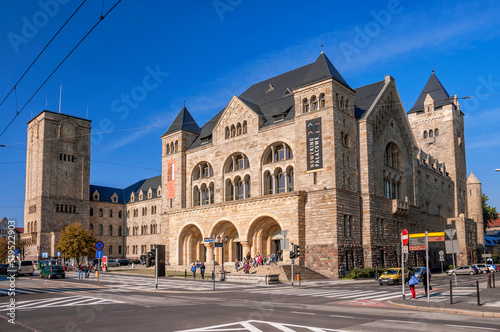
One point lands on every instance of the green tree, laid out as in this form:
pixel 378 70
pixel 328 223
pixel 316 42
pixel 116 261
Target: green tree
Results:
pixel 76 241
pixel 489 213
pixel 3 249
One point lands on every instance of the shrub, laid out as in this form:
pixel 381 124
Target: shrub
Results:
pixel 358 273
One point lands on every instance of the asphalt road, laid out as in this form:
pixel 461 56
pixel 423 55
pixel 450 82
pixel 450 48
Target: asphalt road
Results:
pixel 58 305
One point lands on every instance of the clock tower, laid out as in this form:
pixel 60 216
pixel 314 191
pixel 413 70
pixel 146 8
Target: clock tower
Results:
pixel 57 180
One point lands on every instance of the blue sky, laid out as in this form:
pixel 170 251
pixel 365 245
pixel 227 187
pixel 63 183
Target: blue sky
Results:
pixel 206 51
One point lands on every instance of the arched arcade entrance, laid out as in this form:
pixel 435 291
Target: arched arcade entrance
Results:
pixel 191 248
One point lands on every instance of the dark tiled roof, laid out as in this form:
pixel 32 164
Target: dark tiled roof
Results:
pixel 322 69
pixel 105 193
pixel 437 92
pixel 183 121
pixel 270 99
pixel 365 96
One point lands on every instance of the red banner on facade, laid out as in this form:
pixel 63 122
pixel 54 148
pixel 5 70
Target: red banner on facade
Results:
pixel 170 179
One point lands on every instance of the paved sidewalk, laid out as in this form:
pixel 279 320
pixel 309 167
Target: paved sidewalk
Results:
pixel 464 301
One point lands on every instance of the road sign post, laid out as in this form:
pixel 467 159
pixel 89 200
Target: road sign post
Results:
pixel 451 234
pixel 427 267
pixel 404 243
pixel 99 246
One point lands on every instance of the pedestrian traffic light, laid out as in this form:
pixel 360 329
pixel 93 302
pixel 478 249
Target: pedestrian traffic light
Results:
pixel 292 254
pixel 296 251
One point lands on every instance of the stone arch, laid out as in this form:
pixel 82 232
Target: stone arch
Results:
pixel 190 246
pixel 233 248
pixel 263 235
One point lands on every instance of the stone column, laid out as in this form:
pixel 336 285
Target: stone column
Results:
pixel 246 248
pixel 210 252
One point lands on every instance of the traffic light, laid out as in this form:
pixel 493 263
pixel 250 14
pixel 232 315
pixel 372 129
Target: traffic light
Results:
pixel 292 254
pixel 296 251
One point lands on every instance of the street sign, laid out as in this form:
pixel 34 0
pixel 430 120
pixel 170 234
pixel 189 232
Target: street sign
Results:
pixel 44 255
pixel 416 243
pixel 486 255
pixel 208 239
pixel 98 254
pixel 16 251
pixel 99 245
pixel 218 244
pixel 441 253
pixel 405 250
pixel 104 259
pixel 285 244
pixel 441 258
pixel 284 234
pixel 404 236
pixel 450 234
pixel 58 254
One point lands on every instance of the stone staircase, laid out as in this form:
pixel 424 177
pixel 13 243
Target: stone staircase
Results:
pixel 284 271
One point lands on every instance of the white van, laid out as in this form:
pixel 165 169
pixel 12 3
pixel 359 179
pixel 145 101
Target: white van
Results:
pixel 20 268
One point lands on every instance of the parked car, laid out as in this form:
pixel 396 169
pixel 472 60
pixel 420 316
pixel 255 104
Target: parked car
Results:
pixel 52 271
pixel 461 270
pixel 125 262
pixel 3 268
pixel 390 277
pixel 135 261
pixel 482 268
pixel 48 262
pixel 475 268
pixel 113 263
pixel 492 268
pixel 20 268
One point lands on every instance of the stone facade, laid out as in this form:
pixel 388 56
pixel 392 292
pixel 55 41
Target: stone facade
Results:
pixel 253 172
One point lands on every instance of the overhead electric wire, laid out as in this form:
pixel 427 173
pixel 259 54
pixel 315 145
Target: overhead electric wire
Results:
pixel 31 65
pixel 67 56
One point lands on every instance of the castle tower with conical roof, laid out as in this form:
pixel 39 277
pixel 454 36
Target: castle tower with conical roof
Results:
pixel 438 127
pixel 475 205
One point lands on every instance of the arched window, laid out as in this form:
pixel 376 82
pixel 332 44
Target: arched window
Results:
pixel 289 179
pixel 277 152
pixel 346 104
pixel 176 146
pixel 228 133
pixel 91 212
pixel 425 134
pixel 233 131
pixel 91 229
pixel 314 103
pixel 346 141
pixel 196 196
pixel 244 127
pixel 236 161
pixel 119 230
pixel 120 214
pixel 172 147
pixel 101 231
pixel 211 192
pixel 168 148
pixel 229 190
pixel 128 231
pixel 247 186
pixel 238 188
pixel 268 183
pixel 101 213
pixel 280 181
pixel 431 133
pixel 305 106
pixel 341 106
pixel 111 213
pixel 205 195
pixel 436 132
pixel 110 230
pixel 391 156
pixel 239 129
pixel 322 101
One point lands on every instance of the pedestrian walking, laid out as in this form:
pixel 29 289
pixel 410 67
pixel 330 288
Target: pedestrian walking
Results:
pixel 80 271
pixel 247 267
pixel 87 271
pixel 424 280
pixel 202 270
pixel 193 269
pixel 411 282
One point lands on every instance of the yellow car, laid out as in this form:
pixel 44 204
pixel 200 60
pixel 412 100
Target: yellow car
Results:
pixel 391 277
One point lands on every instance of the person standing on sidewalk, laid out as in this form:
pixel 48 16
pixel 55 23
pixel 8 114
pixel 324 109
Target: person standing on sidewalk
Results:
pixel 202 270
pixel 412 287
pixel 87 271
pixel 193 269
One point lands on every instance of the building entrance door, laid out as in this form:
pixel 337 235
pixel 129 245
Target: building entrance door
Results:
pixel 239 251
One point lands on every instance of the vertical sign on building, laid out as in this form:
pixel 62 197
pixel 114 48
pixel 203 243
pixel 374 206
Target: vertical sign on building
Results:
pixel 170 179
pixel 314 145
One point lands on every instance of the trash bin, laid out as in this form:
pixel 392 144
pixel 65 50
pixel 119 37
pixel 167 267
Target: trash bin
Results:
pixel 39 266
pixel 297 277
pixel 97 273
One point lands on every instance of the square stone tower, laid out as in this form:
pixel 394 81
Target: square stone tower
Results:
pixel 57 180
pixel 438 126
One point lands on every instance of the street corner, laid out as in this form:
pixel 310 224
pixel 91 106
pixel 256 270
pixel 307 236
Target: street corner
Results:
pixel 362 303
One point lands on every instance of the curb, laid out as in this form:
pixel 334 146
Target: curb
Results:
pixel 447 310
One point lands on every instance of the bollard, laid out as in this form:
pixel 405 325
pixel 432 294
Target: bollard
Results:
pixel 451 292
pixel 185 273
pixel 97 274
pixel 477 287
pixel 493 280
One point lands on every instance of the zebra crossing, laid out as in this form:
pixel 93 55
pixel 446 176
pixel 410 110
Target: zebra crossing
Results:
pixel 124 282
pixel 333 293
pixel 67 301
pixel 25 290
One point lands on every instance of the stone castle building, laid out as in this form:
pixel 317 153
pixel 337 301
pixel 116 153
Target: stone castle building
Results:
pixel 343 170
